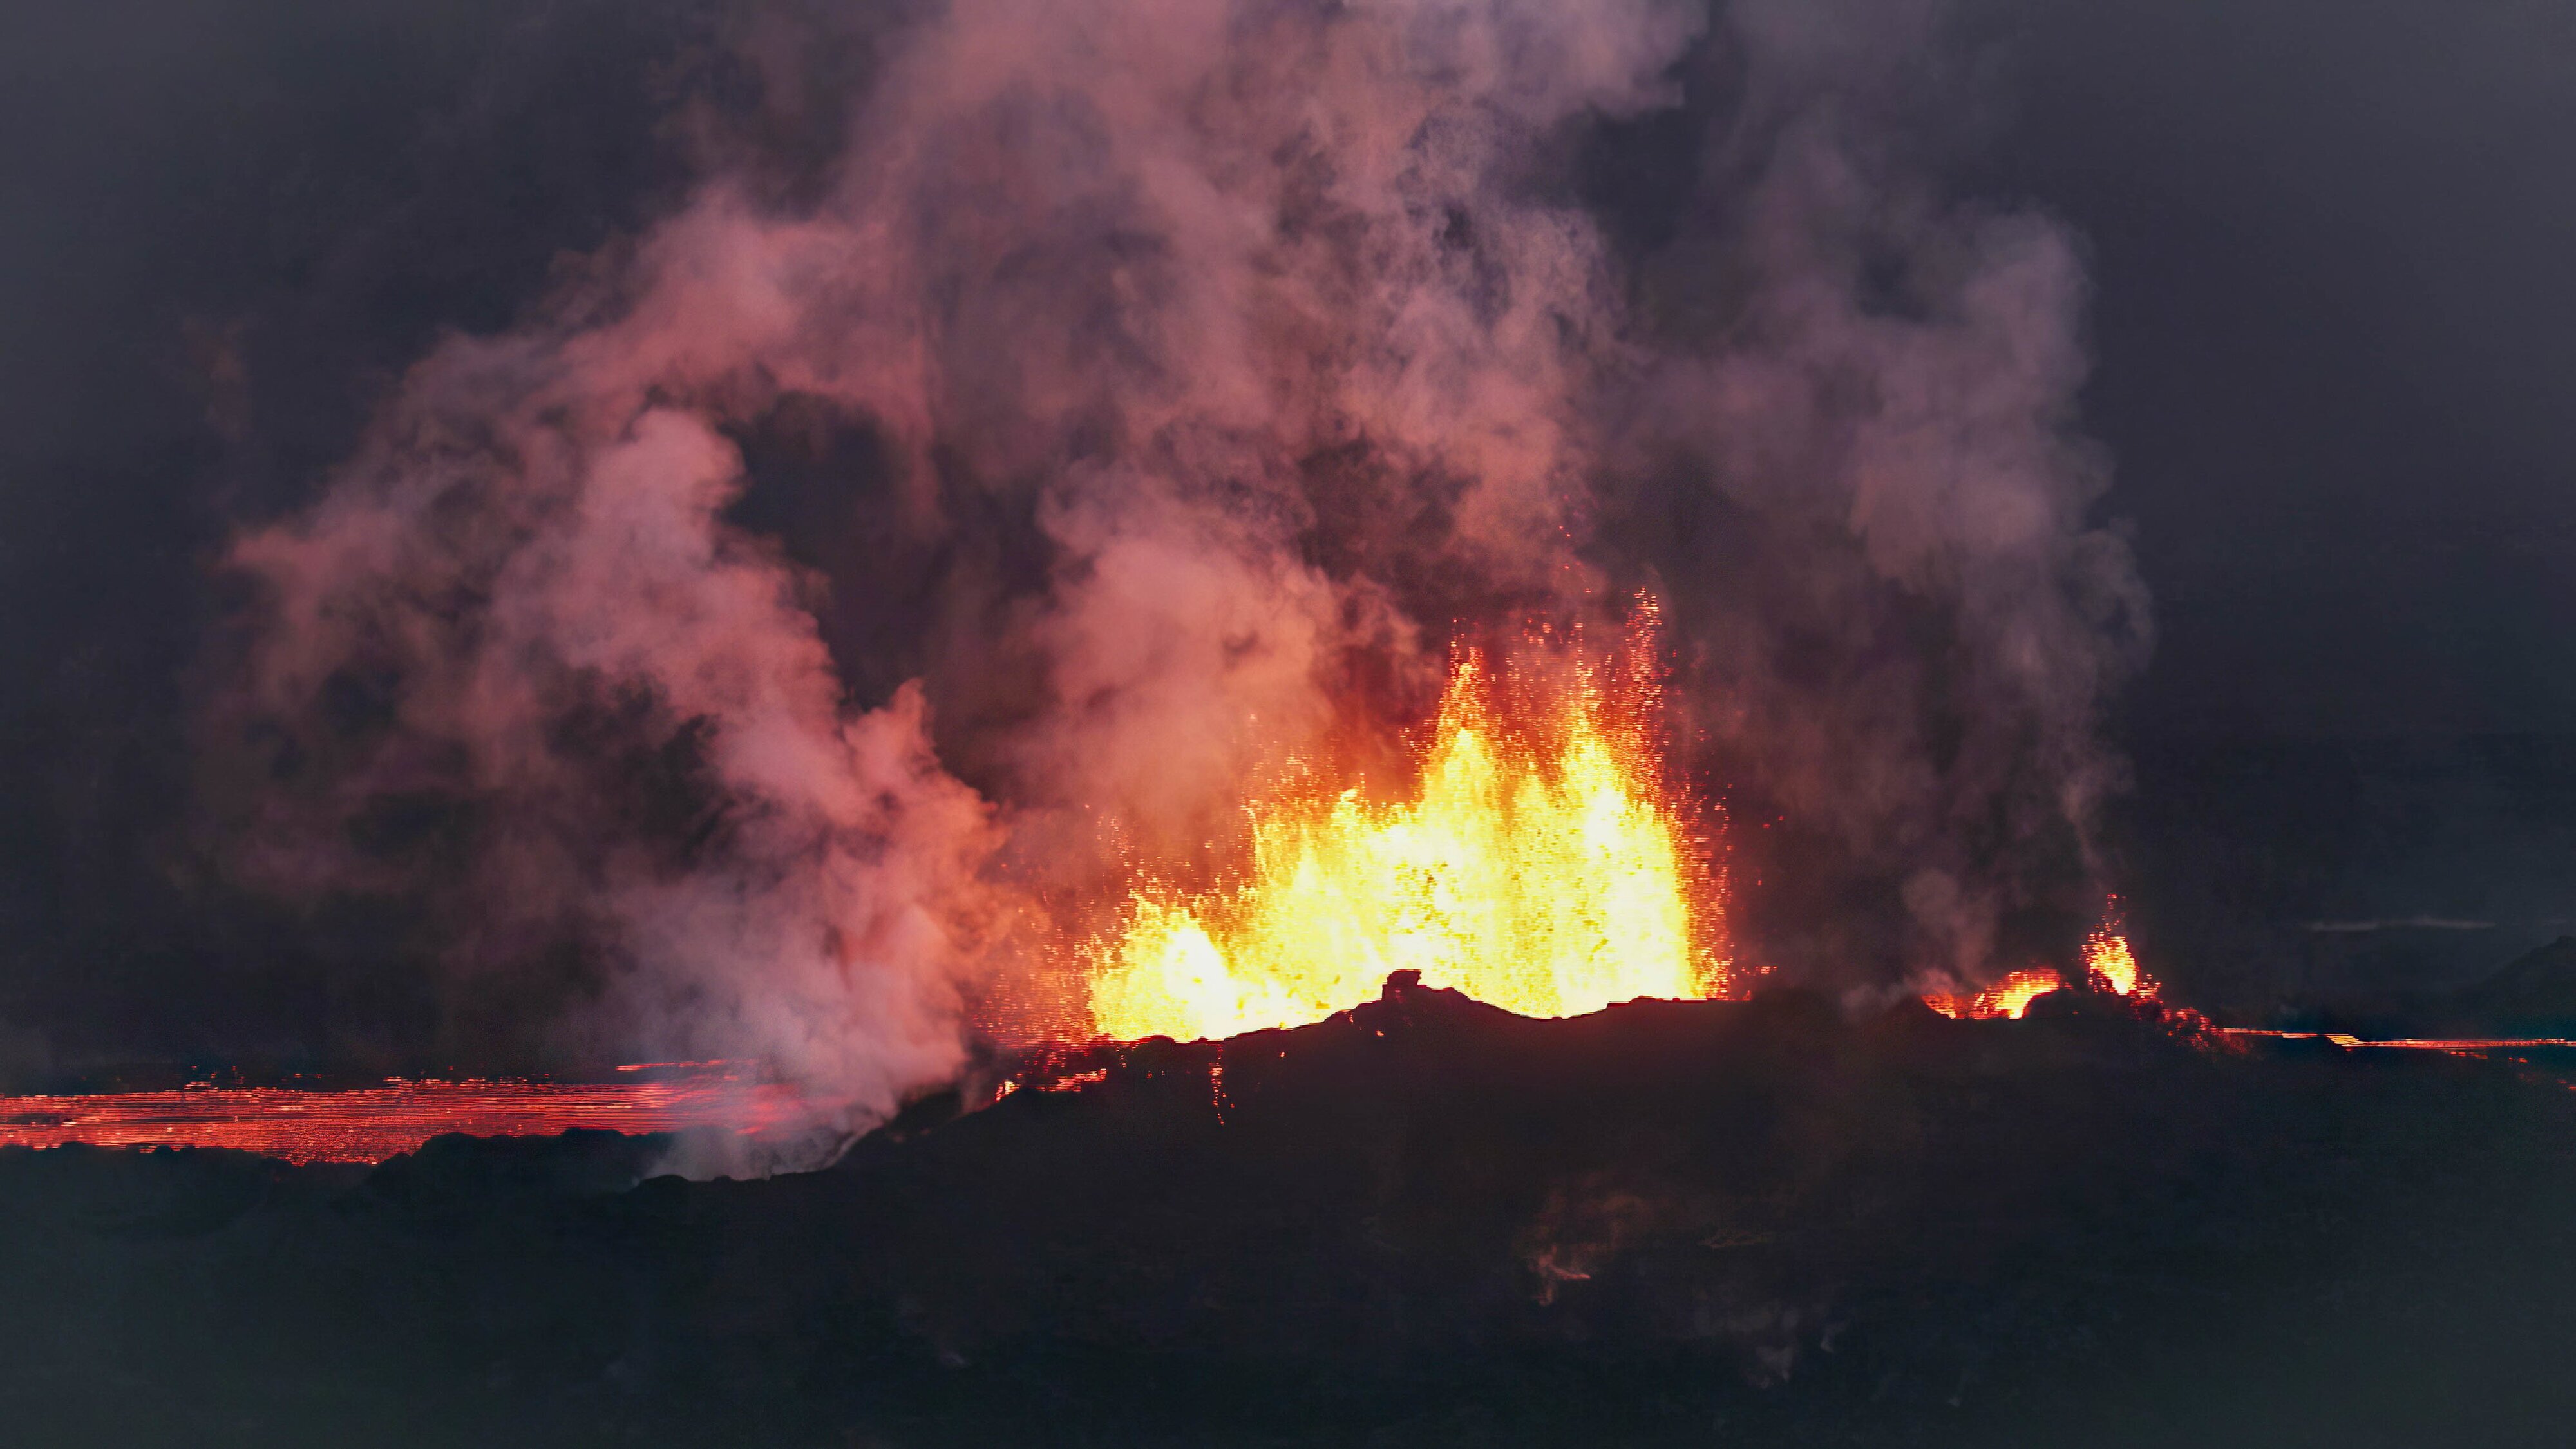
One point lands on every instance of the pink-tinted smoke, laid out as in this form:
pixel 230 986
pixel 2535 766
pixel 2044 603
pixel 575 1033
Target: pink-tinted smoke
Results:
pixel 1259 315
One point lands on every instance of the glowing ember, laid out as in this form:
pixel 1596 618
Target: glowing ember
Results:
pixel 370 1124
pixel 2009 997
pixel 1542 865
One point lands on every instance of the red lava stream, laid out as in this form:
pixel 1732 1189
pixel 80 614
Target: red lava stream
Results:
pixel 370 1124
pixel 305 1125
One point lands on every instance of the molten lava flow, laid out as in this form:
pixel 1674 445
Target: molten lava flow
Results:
pixel 2009 997
pixel 2109 965
pixel 370 1124
pixel 2458 1046
pixel 1541 865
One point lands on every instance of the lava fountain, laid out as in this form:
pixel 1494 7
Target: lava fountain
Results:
pixel 2109 966
pixel 1543 863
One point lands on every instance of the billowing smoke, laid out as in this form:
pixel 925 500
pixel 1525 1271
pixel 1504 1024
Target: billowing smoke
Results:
pixel 1214 363
pixel 1855 457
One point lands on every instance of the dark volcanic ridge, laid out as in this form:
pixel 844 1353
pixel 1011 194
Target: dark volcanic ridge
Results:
pixel 2533 995
pixel 1424 1221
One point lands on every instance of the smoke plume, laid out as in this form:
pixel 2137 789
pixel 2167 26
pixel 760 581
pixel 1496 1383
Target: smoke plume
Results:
pixel 1210 366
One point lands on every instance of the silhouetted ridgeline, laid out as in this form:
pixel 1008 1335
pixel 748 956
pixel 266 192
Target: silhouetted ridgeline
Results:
pixel 1425 1222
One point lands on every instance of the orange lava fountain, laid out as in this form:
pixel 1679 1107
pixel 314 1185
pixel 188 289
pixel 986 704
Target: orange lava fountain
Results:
pixel 1542 865
pixel 2007 998
pixel 2109 965
pixel 370 1124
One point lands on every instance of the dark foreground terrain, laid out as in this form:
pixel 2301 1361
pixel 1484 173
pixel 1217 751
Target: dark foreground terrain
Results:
pixel 1425 1223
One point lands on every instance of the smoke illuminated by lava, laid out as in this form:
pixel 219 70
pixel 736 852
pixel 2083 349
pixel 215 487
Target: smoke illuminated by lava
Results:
pixel 1542 865
pixel 1203 376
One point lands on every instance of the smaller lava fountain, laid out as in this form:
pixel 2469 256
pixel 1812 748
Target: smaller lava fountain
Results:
pixel 2109 965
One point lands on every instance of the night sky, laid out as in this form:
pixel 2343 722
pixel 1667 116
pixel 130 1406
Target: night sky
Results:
pixel 2333 325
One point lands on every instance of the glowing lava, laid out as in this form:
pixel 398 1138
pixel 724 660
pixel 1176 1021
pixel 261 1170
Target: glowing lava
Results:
pixel 2109 961
pixel 1541 865
pixel 2009 997
pixel 370 1124
pixel 2109 965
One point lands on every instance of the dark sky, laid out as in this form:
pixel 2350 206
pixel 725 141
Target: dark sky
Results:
pixel 2335 326
pixel 2337 343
